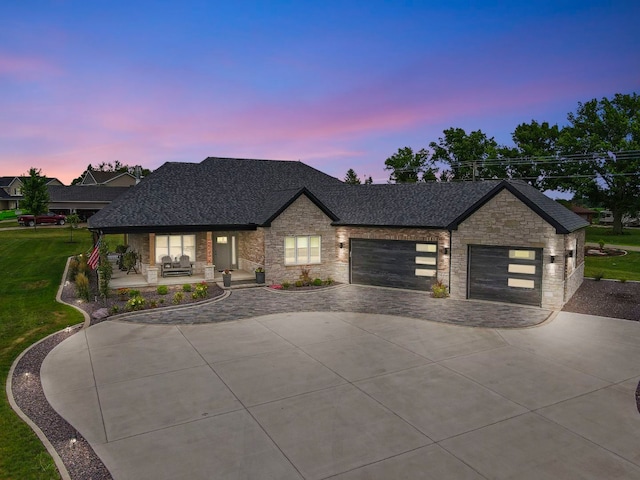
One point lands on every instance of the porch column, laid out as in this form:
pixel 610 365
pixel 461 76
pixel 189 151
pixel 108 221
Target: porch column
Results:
pixel 209 268
pixel 152 270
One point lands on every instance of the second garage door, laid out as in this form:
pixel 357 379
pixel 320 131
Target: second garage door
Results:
pixel 505 274
pixel 394 263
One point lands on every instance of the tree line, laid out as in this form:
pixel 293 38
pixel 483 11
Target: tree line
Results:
pixel 596 156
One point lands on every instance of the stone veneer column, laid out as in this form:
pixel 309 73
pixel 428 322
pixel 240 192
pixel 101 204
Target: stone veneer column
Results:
pixel 209 268
pixel 152 269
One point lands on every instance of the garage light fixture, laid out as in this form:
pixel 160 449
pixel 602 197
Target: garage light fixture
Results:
pixel 553 259
pixel 570 254
pixel 446 250
pixel 341 245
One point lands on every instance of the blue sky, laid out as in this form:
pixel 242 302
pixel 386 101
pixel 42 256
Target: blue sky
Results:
pixel 337 85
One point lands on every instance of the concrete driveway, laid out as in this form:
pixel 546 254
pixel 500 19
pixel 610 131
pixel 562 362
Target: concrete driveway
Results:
pixel 354 396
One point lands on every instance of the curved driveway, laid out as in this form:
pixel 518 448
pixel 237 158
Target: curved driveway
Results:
pixel 352 396
pixel 250 302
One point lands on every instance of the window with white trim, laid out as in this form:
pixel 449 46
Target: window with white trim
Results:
pixel 175 246
pixel 302 249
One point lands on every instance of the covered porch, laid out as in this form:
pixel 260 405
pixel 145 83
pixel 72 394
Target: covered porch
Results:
pixel 120 279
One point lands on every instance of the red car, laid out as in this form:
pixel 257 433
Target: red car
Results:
pixel 45 218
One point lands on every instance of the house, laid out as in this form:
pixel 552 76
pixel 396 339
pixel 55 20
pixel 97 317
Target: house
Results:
pixel 82 200
pixel 585 213
pixel 108 179
pixel 11 191
pixel 490 240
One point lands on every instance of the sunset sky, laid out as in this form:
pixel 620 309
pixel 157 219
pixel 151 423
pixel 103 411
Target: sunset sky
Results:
pixel 335 84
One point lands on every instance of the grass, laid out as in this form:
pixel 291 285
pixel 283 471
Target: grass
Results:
pixel 32 263
pixel 616 268
pixel 629 237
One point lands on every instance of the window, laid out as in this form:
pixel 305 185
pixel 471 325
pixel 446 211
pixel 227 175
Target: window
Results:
pixel 522 254
pixel 302 250
pixel 175 246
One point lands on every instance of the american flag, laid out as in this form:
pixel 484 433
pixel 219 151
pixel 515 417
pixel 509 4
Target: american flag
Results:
pixel 94 258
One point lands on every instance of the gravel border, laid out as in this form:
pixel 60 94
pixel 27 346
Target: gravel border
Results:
pixel 71 452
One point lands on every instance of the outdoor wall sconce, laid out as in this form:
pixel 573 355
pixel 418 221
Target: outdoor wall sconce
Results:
pixel 553 259
pixel 341 245
pixel 570 254
pixel 446 250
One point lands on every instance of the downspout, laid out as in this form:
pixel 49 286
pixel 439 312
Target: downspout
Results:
pixel 450 255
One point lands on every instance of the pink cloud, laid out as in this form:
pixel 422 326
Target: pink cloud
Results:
pixel 25 68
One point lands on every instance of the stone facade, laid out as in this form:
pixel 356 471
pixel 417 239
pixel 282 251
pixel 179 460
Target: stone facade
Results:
pixel 251 253
pixel 505 221
pixel 302 217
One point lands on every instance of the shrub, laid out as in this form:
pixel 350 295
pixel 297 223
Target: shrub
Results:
pixel 598 276
pixel 186 287
pixel 439 290
pixel 201 290
pixel 123 293
pixel 601 243
pixel 329 281
pixel 153 304
pixel 82 286
pixel 162 289
pixel 134 293
pixel 73 268
pixel 299 283
pixel 114 310
pixel 161 301
pixel 622 280
pixel 177 298
pixel 285 285
pixel 317 282
pixel 135 303
pixel 82 265
pixel 305 276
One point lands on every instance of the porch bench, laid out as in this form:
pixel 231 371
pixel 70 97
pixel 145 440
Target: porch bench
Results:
pixel 184 267
pixel 176 271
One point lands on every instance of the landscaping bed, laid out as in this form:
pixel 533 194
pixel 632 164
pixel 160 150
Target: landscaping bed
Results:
pixel 128 299
pixel 607 299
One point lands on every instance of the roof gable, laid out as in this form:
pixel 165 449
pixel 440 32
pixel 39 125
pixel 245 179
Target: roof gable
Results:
pixel 555 214
pixel 283 199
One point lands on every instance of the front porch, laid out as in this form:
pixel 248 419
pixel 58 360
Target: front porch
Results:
pixel 121 279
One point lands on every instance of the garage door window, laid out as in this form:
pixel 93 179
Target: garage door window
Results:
pixel 302 250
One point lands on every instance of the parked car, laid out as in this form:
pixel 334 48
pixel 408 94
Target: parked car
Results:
pixel 45 218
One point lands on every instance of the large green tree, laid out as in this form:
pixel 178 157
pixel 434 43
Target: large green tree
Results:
pixel 467 156
pixel 35 194
pixel 601 154
pixel 534 156
pixel 408 166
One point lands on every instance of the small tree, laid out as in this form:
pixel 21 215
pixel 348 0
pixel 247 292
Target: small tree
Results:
pixel 73 221
pixel 352 177
pixel 35 193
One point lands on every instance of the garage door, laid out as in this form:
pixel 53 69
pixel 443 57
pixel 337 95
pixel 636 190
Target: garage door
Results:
pixel 505 274
pixel 393 263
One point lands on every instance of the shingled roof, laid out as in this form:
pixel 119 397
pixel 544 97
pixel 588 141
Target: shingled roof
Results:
pixel 84 193
pixel 224 193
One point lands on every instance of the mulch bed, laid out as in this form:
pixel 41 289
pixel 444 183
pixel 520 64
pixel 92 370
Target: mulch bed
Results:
pixel 607 299
pixel 150 294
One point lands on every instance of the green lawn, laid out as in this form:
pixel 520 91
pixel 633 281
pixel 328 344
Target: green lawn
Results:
pixel 631 236
pixel 617 268
pixel 32 263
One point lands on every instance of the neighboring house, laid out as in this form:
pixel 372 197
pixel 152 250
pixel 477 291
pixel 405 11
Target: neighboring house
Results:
pixel 108 179
pixel 11 191
pixel 83 200
pixel 490 240
pixel 585 213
